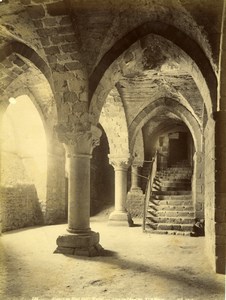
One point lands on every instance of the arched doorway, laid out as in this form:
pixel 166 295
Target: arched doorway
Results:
pixel 23 165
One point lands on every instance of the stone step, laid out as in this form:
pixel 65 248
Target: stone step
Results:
pixel 172 184
pixel 177 174
pixel 172 197
pixel 173 181
pixel 172 213
pixel 168 226
pixel 166 182
pixel 169 232
pixel 167 193
pixel 171 188
pixel 176 169
pixel 169 208
pixel 170 220
pixel 175 202
pixel 178 227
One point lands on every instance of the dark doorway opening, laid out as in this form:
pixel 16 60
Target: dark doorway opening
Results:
pixel 178 148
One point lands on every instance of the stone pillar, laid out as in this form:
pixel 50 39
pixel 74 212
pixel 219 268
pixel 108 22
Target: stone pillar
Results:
pixel 135 188
pixel 198 184
pixel 120 216
pixel 220 191
pixel 79 240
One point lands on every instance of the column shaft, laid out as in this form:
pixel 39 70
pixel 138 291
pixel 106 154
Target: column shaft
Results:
pixel 120 189
pixel 134 177
pixel 120 216
pixel 79 194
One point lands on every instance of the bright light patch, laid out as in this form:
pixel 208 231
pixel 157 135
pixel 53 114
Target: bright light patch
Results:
pixel 11 99
pixel 24 145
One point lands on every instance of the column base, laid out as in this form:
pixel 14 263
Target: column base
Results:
pixel 79 244
pixel 136 191
pixel 120 218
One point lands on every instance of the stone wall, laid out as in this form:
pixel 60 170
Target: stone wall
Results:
pixel 20 205
pixel 135 204
pixel 210 190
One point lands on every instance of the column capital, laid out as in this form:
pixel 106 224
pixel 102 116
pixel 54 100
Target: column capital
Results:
pixel 137 164
pixel 120 162
pixel 79 142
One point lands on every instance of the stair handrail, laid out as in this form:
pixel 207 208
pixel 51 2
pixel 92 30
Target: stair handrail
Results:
pixel 148 190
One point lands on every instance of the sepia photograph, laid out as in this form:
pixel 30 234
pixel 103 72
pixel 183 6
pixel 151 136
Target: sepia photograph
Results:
pixel 112 149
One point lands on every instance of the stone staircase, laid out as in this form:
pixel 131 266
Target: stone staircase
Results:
pixel 170 208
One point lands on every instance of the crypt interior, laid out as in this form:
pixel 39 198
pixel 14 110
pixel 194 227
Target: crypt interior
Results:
pixel 113 122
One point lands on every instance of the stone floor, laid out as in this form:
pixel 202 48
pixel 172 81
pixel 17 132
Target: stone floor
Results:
pixel 136 265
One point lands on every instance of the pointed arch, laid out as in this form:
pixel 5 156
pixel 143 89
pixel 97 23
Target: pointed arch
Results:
pixel 177 37
pixel 172 106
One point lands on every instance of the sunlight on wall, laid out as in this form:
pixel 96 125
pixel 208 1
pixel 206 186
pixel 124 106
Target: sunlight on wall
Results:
pixel 24 149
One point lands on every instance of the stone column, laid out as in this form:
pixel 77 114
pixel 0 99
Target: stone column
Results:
pixel 120 216
pixel 79 240
pixel 198 184
pixel 135 188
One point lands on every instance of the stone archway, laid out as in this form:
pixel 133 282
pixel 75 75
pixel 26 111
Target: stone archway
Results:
pixel 100 79
pixel 23 166
pixel 24 64
pixel 164 106
pixel 172 106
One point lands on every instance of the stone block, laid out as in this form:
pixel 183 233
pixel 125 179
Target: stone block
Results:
pixel 45 41
pixel 46 32
pixel 36 11
pixel 221 265
pixel 199 206
pixel 38 1
pixel 70 97
pixel 57 9
pixel 25 2
pixel 220 201
pixel 221 251
pixel 65 20
pixel 78 240
pixel 79 244
pixel 73 66
pixel 220 240
pixel 65 30
pixel 50 22
pixel 52 50
pixel 58 67
pixel 69 47
pixel 220 229
pixel 220 215
pixel 38 23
